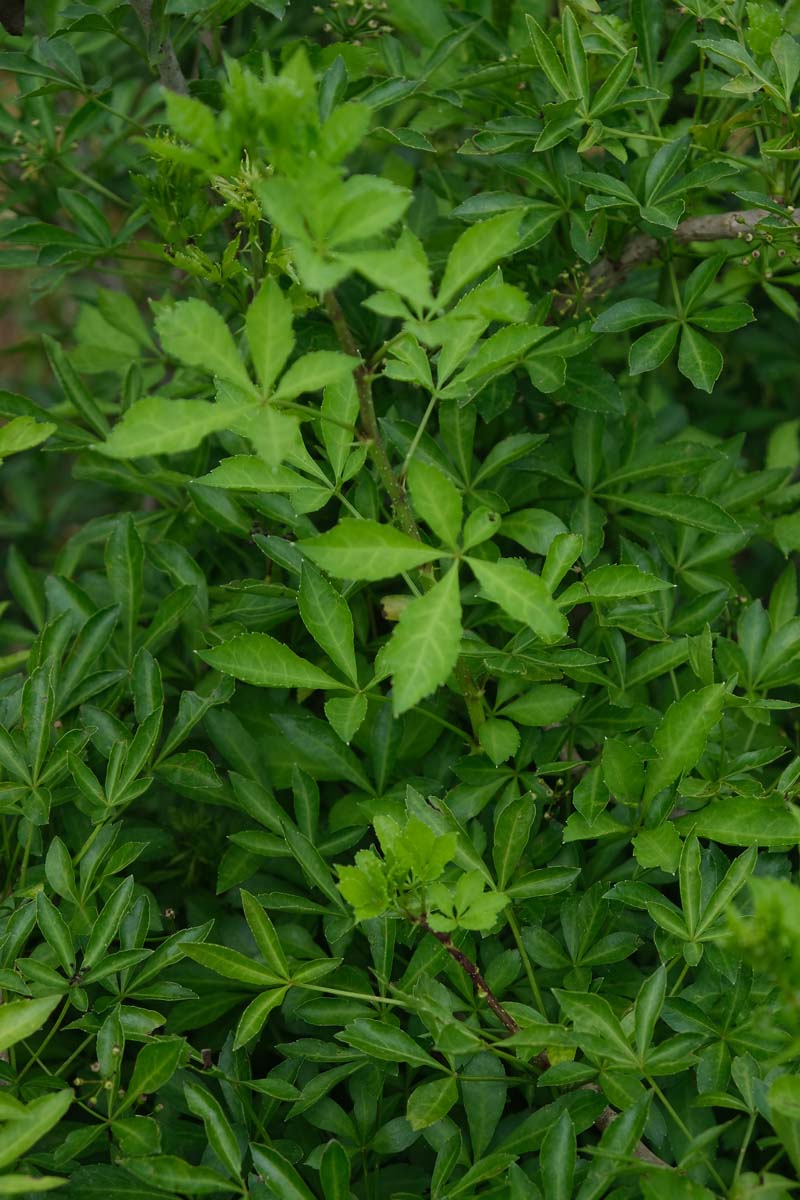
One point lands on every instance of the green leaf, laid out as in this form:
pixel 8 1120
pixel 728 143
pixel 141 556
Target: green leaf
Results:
pixel 436 500
pixel 477 249
pixel 232 965
pixel 687 510
pixel 280 1176
pixel 681 737
pixel 542 704
pixel 548 59
pixel 385 1042
pixel 259 659
pixel 575 57
pixel 334 1172
pixel 511 833
pixel 647 1009
pixel 22 433
pixel 20 1018
pixel 313 372
pixel 659 848
pixel 165 1171
pixel 612 583
pixel 196 334
pixel 559 1157
pixel 522 595
pixel 596 1026
pixel 221 1137
pixel 365 205
pixel 156 425
pixel 326 615
pixel 500 739
pixel 155 1065
pixel 265 935
pixel 650 350
pixel 366 550
pixel 699 360
pixel 738 821
pixel 423 649
pixel 254 1017
pixel 346 715
pixel 269 324
pixel 429 1102
pixel 629 314
pixel 40 1116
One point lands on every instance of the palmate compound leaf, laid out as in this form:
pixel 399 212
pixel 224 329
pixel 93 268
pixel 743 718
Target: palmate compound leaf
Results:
pixel 423 649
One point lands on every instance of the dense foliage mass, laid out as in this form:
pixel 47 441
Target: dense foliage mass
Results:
pixel 400 636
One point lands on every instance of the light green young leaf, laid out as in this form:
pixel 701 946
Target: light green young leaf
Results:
pixel 41 1115
pixel 313 372
pixel 436 500
pixel 20 1018
pixel 364 206
pixel 259 659
pixel 366 549
pixel 522 595
pixel 23 433
pixel 196 334
pixel 542 704
pixel 423 648
pixel 269 323
pixel 612 583
pixel 157 425
pixel 478 248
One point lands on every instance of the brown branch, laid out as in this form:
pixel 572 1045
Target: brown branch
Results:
pixel 541 1060
pixel 369 420
pixel 609 273
pixel 482 989
pixel 169 69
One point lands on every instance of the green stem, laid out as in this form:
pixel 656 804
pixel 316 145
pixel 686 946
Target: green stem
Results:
pixel 526 962
pixel 37 1056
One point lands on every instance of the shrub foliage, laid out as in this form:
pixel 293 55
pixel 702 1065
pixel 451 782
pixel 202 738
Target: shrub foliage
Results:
pixel 401 642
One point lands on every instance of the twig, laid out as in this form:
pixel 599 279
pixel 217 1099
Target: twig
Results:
pixel 541 1060
pixel 482 989
pixel 169 69
pixel 609 273
pixel 369 421
pixel 472 694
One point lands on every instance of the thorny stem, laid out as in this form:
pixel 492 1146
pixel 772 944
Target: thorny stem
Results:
pixel 394 489
pixel 541 1060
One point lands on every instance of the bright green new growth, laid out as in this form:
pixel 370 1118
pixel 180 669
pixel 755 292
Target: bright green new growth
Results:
pixel 406 878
